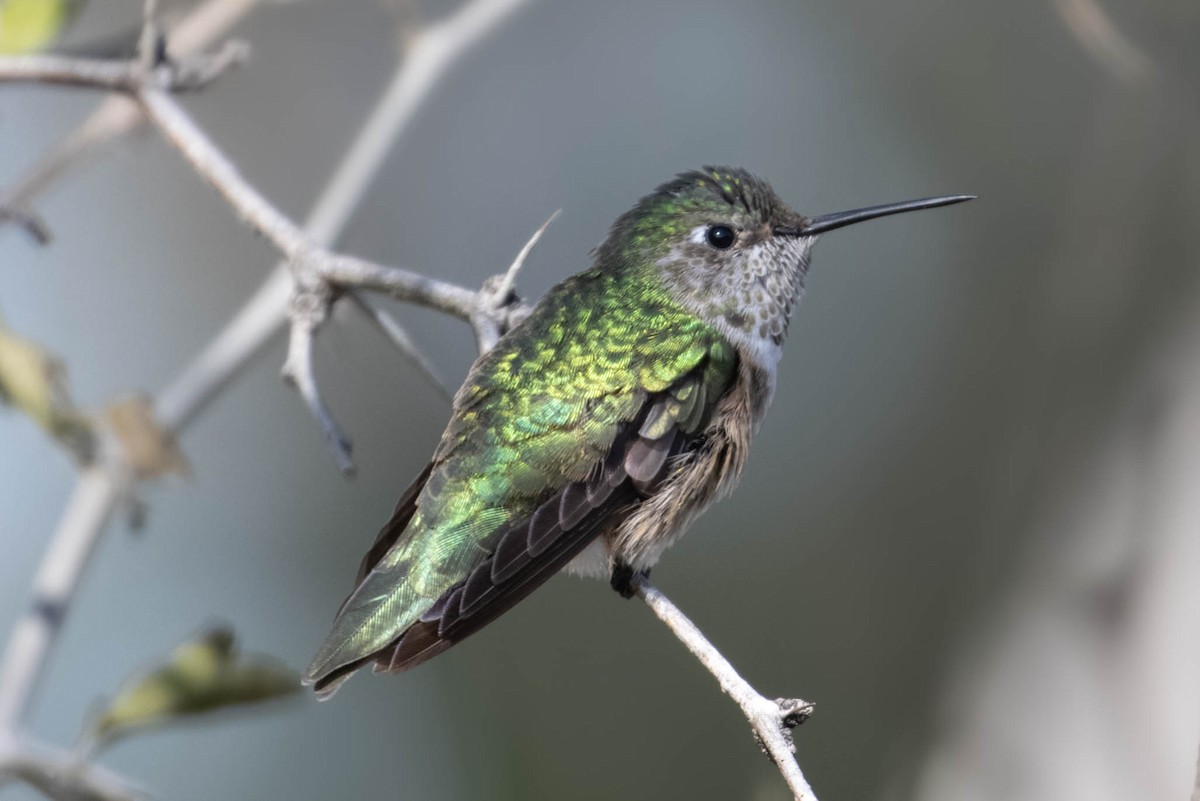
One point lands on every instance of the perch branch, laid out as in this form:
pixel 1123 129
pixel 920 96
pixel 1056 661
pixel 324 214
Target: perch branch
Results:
pixel 771 721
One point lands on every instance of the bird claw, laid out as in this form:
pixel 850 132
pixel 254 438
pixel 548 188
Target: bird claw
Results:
pixel 622 579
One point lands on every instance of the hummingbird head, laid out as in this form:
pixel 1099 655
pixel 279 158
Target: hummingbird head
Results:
pixel 730 250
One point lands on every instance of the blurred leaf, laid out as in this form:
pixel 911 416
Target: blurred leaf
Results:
pixel 35 382
pixel 27 26
pixel 201 676
pixel 149 449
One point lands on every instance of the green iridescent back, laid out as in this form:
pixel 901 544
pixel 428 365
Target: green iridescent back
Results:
pixel 539 410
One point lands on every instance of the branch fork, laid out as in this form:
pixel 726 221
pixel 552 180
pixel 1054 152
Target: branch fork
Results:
pixel 785 714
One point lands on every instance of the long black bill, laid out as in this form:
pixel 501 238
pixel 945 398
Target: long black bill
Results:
pixel 828 222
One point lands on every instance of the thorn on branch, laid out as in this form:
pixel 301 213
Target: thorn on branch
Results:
pixel 193 73
pixel 309 309
pixel 509 280
pixel 137 511
pixel 795 711
pixel 152 45
pixel 791 713
pixel 497 298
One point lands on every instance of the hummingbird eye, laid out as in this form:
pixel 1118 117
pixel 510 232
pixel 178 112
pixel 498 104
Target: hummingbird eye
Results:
pixel 720 237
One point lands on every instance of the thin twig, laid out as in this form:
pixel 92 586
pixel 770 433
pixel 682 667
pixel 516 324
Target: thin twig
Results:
pixel 96 494
pixel 60 774
pixel 399 337
pixel 771 721
pixel 151 46
pixel 118 115
pixel 251 207
pixel 400 284
pixel 28 220
pixel 121 76
pixel 301 252
pixel 1099 36
pixel 309 310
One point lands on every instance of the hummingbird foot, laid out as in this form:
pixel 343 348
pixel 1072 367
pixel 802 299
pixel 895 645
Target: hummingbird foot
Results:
pixel 622 579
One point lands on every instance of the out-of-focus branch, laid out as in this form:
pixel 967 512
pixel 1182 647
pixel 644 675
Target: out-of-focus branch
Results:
pixel 1087 683
pixel 1090 688
pixel 33 225
pixel 771 721
pixel 188 75
pixel 1104 41
pixel 58 774
pixel 97 492
pixel 118 115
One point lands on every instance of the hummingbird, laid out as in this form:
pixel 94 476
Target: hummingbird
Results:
pixel 599 428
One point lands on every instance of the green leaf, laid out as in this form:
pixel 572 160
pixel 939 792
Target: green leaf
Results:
pixel 34 381
pixel 201 676
pixel 27 26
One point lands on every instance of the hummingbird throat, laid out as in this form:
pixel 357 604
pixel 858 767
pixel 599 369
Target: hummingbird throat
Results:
pixel 749 297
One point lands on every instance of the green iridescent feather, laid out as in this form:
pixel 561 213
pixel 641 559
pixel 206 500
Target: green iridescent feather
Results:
pixel 539 410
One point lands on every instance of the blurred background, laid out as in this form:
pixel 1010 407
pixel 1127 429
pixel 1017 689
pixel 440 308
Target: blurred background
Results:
pixel 966 531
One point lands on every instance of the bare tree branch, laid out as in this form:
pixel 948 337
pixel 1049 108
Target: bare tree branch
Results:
pixel 310 308
pixel 96 493
pixel 118 115
pixel 771 721
pixel 189 75
pixel 28 220
pixel 1104 41
pixel 59 774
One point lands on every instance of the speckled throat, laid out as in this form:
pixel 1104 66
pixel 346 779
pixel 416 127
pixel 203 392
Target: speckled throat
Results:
pixel 750 299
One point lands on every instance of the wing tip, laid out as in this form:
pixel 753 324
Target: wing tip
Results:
pixel 325 683
pixel 326 673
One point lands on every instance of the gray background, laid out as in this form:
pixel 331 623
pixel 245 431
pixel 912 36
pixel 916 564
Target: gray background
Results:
pixel 941 374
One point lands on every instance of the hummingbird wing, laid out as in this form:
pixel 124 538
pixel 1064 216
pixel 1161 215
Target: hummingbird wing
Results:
pixel 556 433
